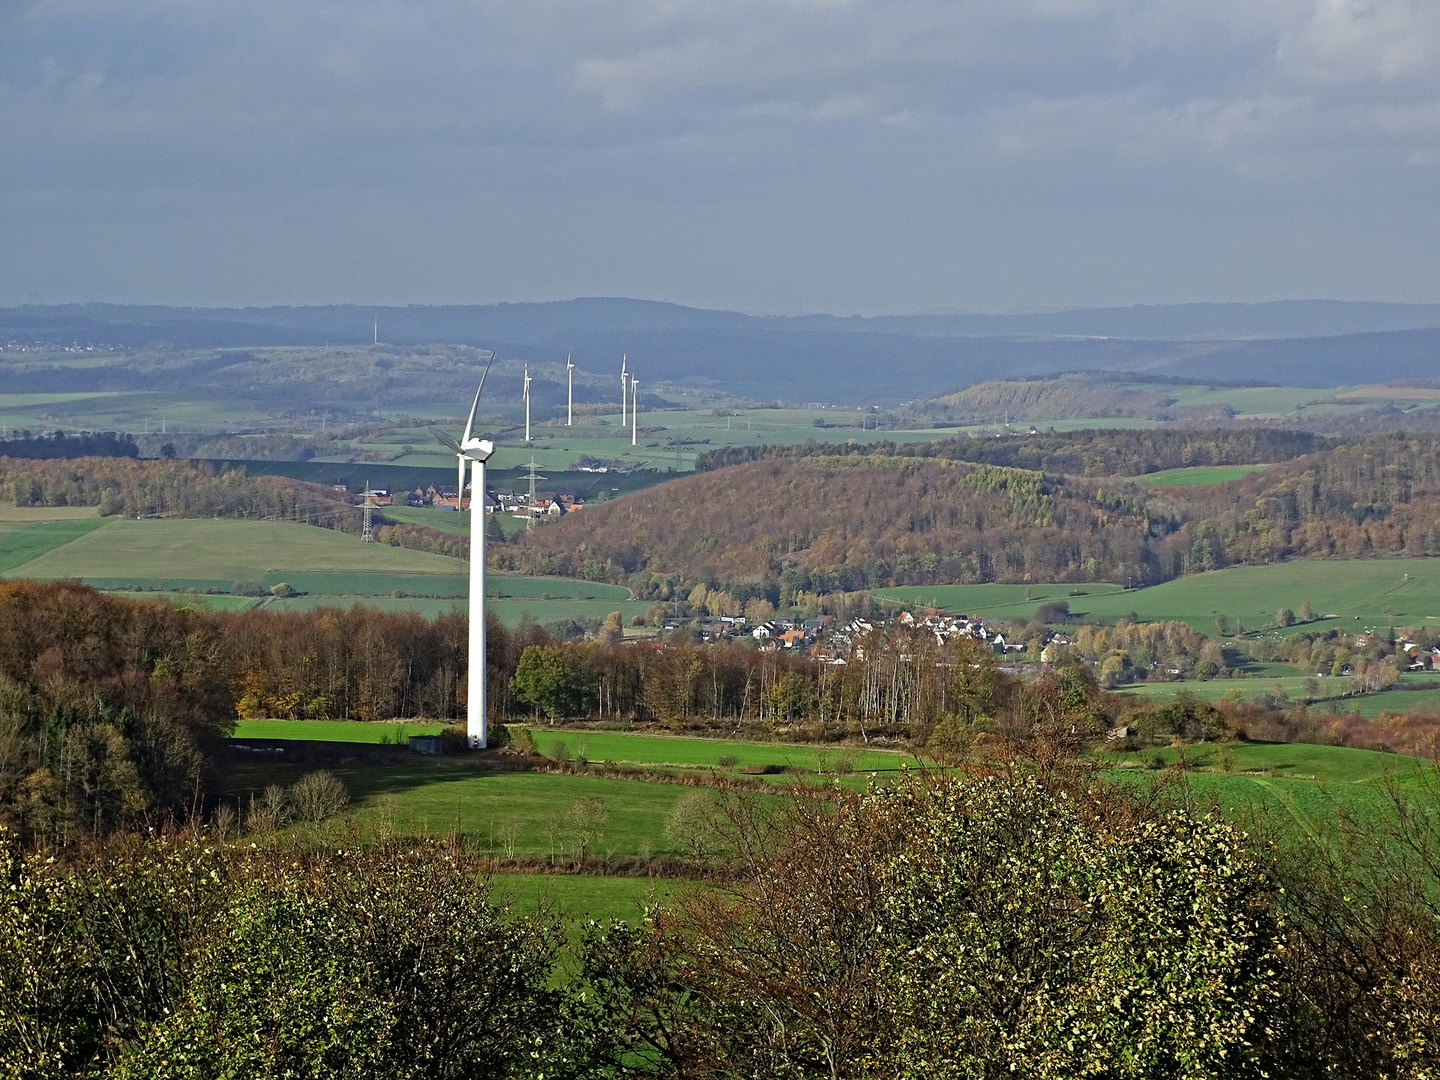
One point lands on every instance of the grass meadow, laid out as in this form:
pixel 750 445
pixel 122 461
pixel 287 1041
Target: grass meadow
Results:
pixel 181 558
pixel 1198 476
pixel 350 731
pixel 532 814
pixel 1355 594
pixel 621 747
pixel 578 896
pixel 223 549
pixel 21 543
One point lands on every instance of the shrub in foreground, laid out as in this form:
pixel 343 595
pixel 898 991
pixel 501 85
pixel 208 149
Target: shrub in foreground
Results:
pixel 958 927
pixel 180 960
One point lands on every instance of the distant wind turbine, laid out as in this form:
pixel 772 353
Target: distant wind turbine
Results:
pixel 526 395
pixel 476 451
pixel 634 409
pixel 624 381
pixel 569 392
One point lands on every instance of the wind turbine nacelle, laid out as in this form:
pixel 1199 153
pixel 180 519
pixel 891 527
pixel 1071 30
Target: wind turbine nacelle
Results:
pixel 478 449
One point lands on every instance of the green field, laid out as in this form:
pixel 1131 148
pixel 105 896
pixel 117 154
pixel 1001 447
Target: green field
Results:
pixel 216 549
pixel 1251 400
pixel 1303 761
pixel 126 410
pixel 1421 692
pixel 529 813
pixel 1395 701
pixel 1215 689
pixel 1198 476
pixel 22 543
pixel 1362 594
pixel 328 568
pixel 996 601
pixel 458 524
pixel 668 750
pixel 578 896
pixel 437 798
pixel 621 747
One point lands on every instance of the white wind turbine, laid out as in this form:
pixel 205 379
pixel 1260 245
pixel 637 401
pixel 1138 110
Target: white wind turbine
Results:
pixel 526 396
pixel 634 409
pixel 624 382
pixel 569 392
pixel 476 451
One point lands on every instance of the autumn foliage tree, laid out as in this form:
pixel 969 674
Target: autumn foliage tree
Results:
pixel 975 924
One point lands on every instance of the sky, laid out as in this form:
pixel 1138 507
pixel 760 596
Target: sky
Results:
pixel 849 156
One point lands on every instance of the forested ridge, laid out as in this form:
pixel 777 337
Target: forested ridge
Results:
pixel 1110 452
pixel 826 519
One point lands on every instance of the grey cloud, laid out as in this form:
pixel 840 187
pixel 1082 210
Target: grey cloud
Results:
pixel 566 124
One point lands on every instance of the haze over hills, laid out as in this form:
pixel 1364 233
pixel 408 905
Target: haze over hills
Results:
pixel 850 360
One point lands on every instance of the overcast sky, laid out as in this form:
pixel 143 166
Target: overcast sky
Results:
pixel 766 155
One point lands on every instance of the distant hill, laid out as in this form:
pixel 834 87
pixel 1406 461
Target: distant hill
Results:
pixel 885 359
pixel 1064 398
pixel 841 518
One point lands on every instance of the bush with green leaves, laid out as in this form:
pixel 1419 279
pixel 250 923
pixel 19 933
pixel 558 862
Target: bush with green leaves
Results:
pixel 1032 932
pixel 186 960
pixel 958 926
pixel 385 963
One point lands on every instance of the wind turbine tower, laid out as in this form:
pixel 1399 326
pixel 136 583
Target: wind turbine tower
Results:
pixel 634 409
pixel 624 381
pixel 476 451
pixel 526 396
pixel 569 392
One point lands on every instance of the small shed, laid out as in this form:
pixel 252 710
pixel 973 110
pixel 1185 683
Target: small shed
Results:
pixel 425 744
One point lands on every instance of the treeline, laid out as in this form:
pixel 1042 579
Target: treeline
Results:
pixel 166 488
pixel 58 444
pixel 108 709
pixel 188 489
pixel 1105 452
pixel 823 520
pixel 1020 918
pixel 109 706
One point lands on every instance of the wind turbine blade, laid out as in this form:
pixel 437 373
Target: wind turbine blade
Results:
pixel 470 423
pixel 446 439
pixel 460 487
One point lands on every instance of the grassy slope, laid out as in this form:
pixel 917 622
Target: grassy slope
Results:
pixel 577 896
pixel 1365 594
pixel 220 549
pixel 666 750
pixel 1198 476
pixel 615 746
pixel 438 796
pixel 1298 761
pixel 21 544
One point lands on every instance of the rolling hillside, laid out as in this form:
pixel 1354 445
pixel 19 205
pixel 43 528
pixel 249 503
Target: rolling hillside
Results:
pixel 844 518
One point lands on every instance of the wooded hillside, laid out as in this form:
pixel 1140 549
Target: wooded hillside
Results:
pixel 851 519
pixel 1058 398
pixel 1109 453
